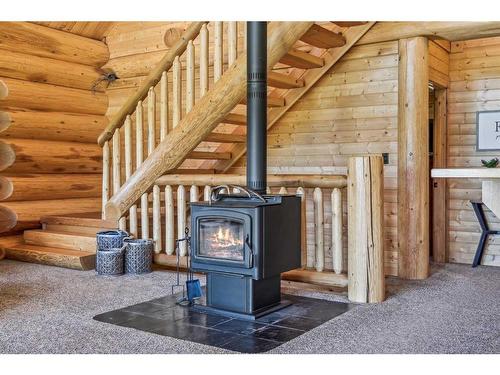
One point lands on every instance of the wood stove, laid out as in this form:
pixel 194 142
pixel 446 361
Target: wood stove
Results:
pixel 243 244
pixel 244 241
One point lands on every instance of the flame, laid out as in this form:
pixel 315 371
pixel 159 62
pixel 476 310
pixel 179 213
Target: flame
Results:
pixel 225 238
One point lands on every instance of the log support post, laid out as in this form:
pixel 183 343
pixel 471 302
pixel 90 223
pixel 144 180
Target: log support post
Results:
pixel 413 159
pixel 366 229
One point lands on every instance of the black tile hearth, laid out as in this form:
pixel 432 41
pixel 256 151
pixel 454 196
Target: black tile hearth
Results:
pixel 162 316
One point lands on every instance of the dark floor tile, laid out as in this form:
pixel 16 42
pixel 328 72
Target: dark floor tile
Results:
pixel 250 344
pixel 208 336
pixel 242 327
pixel 188 332
pixel 271 318
pixel 298 322
pixel 171 313
pixel 203 320
pixel 144 308
pixel 115 317
pixel 145 323
pixel 316 310
pixel 295 309
pixel 168 301
pixel 276 333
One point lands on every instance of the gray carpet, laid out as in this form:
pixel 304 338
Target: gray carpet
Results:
pixel 49 310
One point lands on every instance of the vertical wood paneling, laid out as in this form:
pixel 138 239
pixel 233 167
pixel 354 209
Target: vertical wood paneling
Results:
pixel 352 110
pixel 474 86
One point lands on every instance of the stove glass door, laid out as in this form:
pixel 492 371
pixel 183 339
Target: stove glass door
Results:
pixel 222 238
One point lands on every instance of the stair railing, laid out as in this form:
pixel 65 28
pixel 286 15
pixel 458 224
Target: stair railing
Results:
pixel 322 219
pixel 184 75
pixel 333 254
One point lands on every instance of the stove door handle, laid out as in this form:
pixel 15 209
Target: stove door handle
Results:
pixel 249 245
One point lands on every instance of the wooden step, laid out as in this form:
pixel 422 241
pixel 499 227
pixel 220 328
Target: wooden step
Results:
pixel 272 101
pixel 52 256
pixel 235 119
pixel 348 23
pixel 283 81
pixel 323 38
pixel 302 60
pixel 226 138
pixel 63 240
pixel 192 171
pixel 92 219
pixel 209 155
pixel 74 229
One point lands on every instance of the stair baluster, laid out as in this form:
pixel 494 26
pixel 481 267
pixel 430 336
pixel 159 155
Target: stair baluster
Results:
pixel 181 218
pixel 232 42
pixel 169 220
pixel 218 53
pixel 204 60
pixel 128 172
pixel 105 175
pixel 177 93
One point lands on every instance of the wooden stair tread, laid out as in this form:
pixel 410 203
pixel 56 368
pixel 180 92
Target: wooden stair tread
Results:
pixel 226 138
pixel 193 171
pixel 53 256
pixel 272 101
pixel 349 23
pixel 59 239
pixel 320 37
pixel 235 119
pixel 92 219
pixel 302 60
pixel 209 155
pixel 283 81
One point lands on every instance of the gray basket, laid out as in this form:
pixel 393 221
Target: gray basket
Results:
pixel 138 256
pixel 110 261
pixel 110 239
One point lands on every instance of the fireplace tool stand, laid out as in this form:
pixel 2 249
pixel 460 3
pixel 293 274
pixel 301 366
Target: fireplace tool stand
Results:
pixel 192 291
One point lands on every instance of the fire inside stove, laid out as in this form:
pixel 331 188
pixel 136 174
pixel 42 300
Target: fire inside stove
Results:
pixel 221 238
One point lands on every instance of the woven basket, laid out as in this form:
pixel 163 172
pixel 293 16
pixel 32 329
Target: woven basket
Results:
pixel 138 256
pixel 110 239
pixel 110 261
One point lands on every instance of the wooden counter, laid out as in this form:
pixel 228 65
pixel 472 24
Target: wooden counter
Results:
pixel 487 173
pixel 490 187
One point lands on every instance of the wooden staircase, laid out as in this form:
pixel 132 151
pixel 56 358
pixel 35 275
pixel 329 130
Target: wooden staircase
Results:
pixel 65 241
pixel 299 55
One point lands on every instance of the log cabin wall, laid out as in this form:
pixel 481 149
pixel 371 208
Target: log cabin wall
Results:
pixel 352 110
pixel 50 121
pixel 474 86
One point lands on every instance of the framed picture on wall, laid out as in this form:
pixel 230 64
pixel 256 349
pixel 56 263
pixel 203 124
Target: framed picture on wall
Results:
pixel 488 130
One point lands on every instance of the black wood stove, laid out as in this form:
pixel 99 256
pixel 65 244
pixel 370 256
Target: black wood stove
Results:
pixel 244 241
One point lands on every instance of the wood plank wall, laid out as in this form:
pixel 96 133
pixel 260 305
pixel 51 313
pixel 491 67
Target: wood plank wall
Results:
pixel 474 86
pixel 52 121
pixel 352 110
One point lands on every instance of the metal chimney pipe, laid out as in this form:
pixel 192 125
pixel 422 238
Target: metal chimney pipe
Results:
pixel 257 106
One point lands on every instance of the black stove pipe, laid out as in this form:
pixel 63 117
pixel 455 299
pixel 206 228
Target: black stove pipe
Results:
pixel 257 106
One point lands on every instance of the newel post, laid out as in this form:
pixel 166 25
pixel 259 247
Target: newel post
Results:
pixel 365 189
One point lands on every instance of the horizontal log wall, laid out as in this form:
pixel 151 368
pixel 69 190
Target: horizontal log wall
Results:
pixel 51 114
pixel 352 110
pixel 474 86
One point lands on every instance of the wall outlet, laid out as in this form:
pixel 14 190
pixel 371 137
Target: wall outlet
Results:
pixel 385 155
